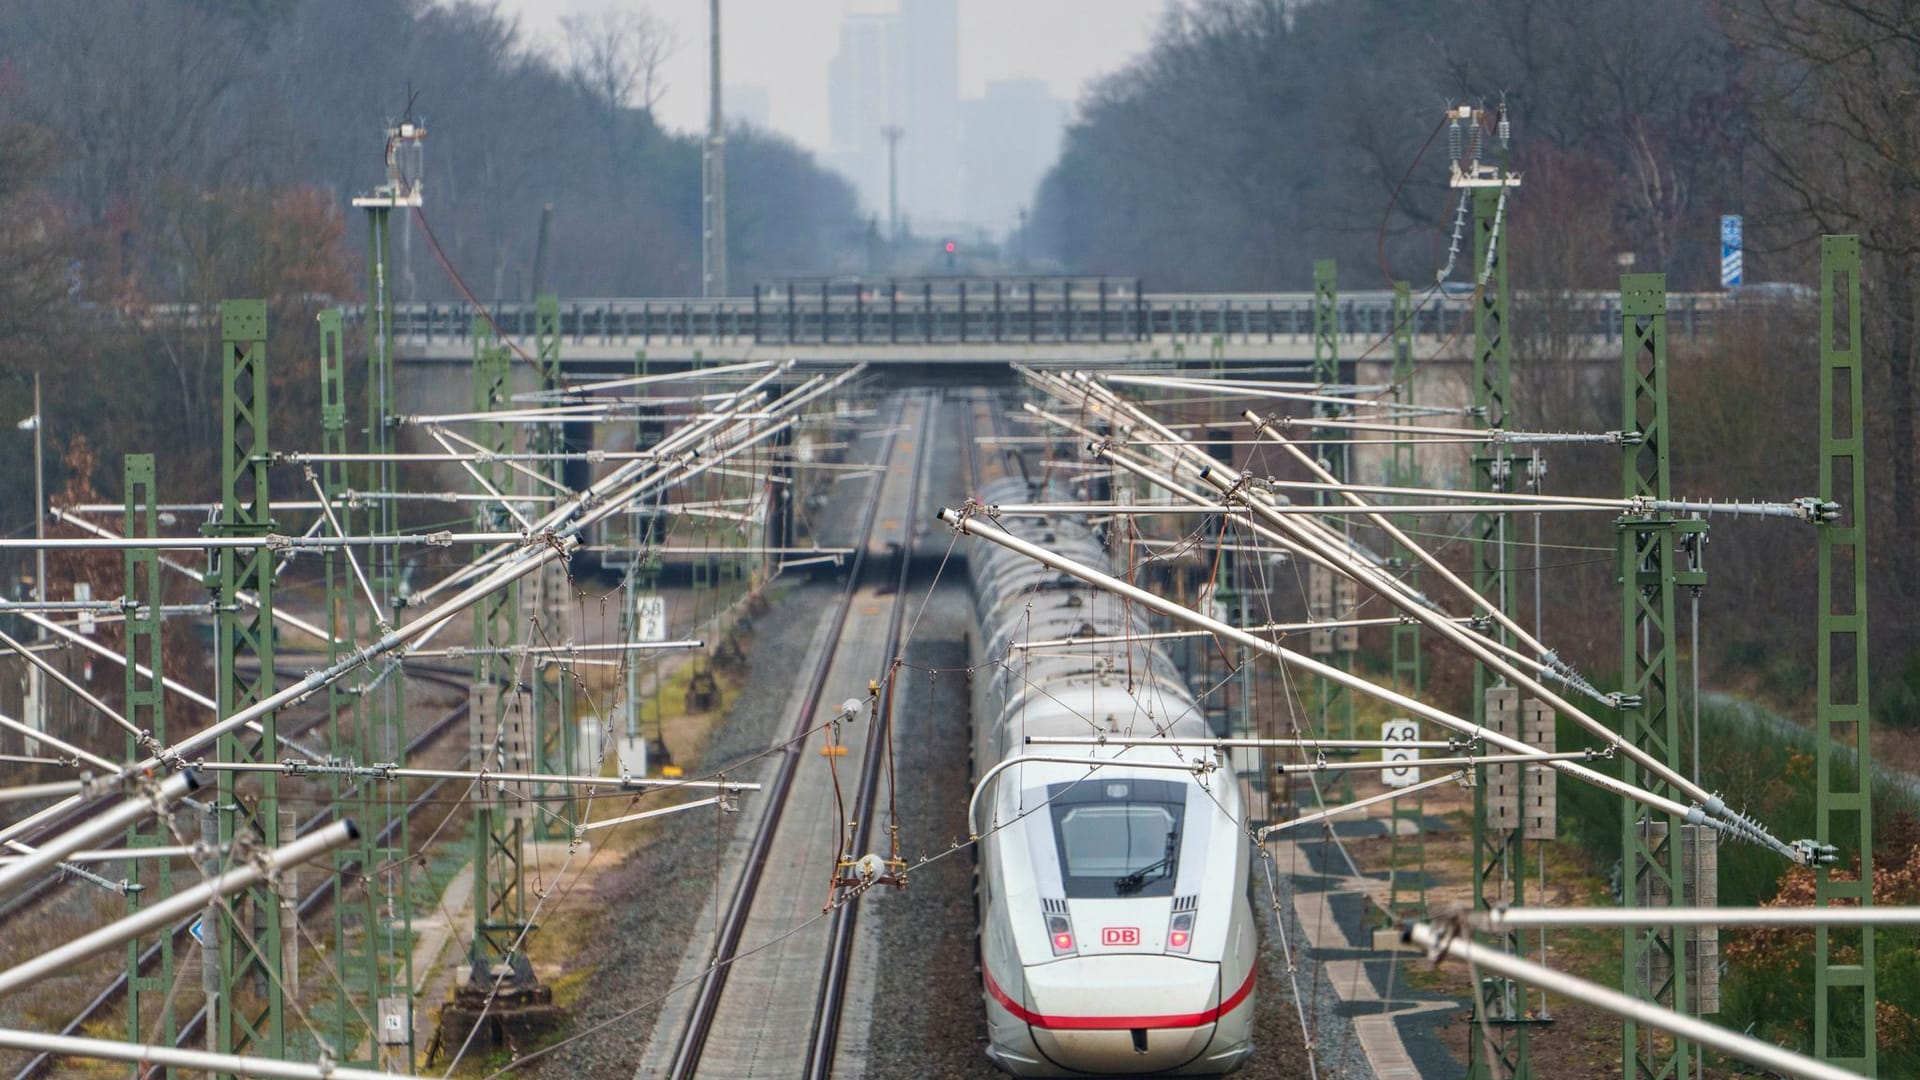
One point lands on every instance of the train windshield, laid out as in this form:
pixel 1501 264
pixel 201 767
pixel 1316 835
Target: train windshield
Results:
pixel 1118 838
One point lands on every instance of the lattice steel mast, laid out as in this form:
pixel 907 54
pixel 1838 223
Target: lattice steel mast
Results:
pixel 248 1010
pixel 1845 995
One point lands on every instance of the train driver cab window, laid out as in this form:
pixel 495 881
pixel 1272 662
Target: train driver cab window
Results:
pixel 1118 838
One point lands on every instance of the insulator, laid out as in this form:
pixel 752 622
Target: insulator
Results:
pixel 1473 140
pixel 1453 140
pixel 1505 127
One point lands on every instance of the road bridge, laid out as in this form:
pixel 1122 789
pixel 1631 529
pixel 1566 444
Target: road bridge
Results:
pixel 965 323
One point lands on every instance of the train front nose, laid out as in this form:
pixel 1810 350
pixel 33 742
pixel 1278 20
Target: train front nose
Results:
pixel 1123 1014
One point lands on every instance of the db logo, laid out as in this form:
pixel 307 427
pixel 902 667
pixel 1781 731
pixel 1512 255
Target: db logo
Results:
pixel 1120 935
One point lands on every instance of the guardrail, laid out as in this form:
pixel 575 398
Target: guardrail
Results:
pixel 990 312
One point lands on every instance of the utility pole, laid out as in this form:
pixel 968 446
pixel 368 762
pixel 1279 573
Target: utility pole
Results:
pixel 36 681
pixel 713 277
pixel 540 252
pixel 892 133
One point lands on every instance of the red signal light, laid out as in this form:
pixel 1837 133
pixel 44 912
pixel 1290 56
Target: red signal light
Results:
pixel 952 247
pixel 1063 942
pixel 1177 939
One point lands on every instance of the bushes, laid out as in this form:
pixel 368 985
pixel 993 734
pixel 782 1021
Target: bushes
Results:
pixel 1765 764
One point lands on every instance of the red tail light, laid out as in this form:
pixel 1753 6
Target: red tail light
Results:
pixel 1180 932
pixel 1060 933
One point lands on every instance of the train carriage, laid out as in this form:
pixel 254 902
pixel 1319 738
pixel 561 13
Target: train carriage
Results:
pixel 1115 932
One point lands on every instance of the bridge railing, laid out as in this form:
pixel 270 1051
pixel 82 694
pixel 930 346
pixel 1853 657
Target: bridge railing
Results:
pixel 1017 313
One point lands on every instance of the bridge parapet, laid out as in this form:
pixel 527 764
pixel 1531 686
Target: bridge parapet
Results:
pixel 1023 314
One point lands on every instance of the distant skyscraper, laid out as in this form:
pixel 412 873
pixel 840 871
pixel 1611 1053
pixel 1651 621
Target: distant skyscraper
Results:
pixel 901 69
pixel 930 183
pixel 862 98
pixel 1012 137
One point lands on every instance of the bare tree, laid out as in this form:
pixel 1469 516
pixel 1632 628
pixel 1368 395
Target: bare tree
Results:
pixel 133 90
pixel 1836 130
pixel 613 59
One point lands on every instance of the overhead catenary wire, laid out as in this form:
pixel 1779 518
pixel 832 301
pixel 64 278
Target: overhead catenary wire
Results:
pixel 1708 814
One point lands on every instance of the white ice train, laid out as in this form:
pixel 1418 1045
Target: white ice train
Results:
pixel 1115 932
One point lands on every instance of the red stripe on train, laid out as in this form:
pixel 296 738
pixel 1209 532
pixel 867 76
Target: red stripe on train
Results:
pixel 1116 1023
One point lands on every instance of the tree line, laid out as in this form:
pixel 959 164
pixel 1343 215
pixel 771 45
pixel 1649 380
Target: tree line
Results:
pixel 1256 135
pixel 161 152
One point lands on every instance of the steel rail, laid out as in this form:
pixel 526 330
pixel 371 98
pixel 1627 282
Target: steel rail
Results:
pixel 706 1002
pixel 825 1034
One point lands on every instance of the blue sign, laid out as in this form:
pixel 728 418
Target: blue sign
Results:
pixel 197 930
pixel 1730 254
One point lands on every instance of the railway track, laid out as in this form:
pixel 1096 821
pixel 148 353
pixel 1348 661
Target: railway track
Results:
pixel 818 986
pixel 311 904
pixel 825 1034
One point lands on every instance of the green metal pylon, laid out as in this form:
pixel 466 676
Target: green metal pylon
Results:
pixel 352 917
pixel 383 704
pixel 248 1011
pixel 150 1012
pixel 370 956
pixel 553 706
pixel 499 724
pixel 1844 993
pixel 1336 703
pixel 643 712
pixel 1403 470
pixel 1499 850
pixel 1652 864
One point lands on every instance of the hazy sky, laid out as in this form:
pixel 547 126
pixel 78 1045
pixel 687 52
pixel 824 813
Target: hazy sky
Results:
pixel 784 45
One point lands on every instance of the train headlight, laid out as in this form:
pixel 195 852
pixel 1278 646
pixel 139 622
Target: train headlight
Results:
pixel 1060 934
pixel 1180 932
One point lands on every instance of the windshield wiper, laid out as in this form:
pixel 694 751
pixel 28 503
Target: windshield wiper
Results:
pixel 1137 880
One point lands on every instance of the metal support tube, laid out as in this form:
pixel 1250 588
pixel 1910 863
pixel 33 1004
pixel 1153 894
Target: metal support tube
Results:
pixel 89 833
pixel 581 829
pixel 353 561
pixel 66 681
pixel 30 792
pixel 1454 762
pixel 390 772
pixel 1686 1028
pixel 505 502
pixel 57 743
pixel 152 1054
pixel 1225 744
pixel 180 905
pixel 1361 804
pixel 1822 916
